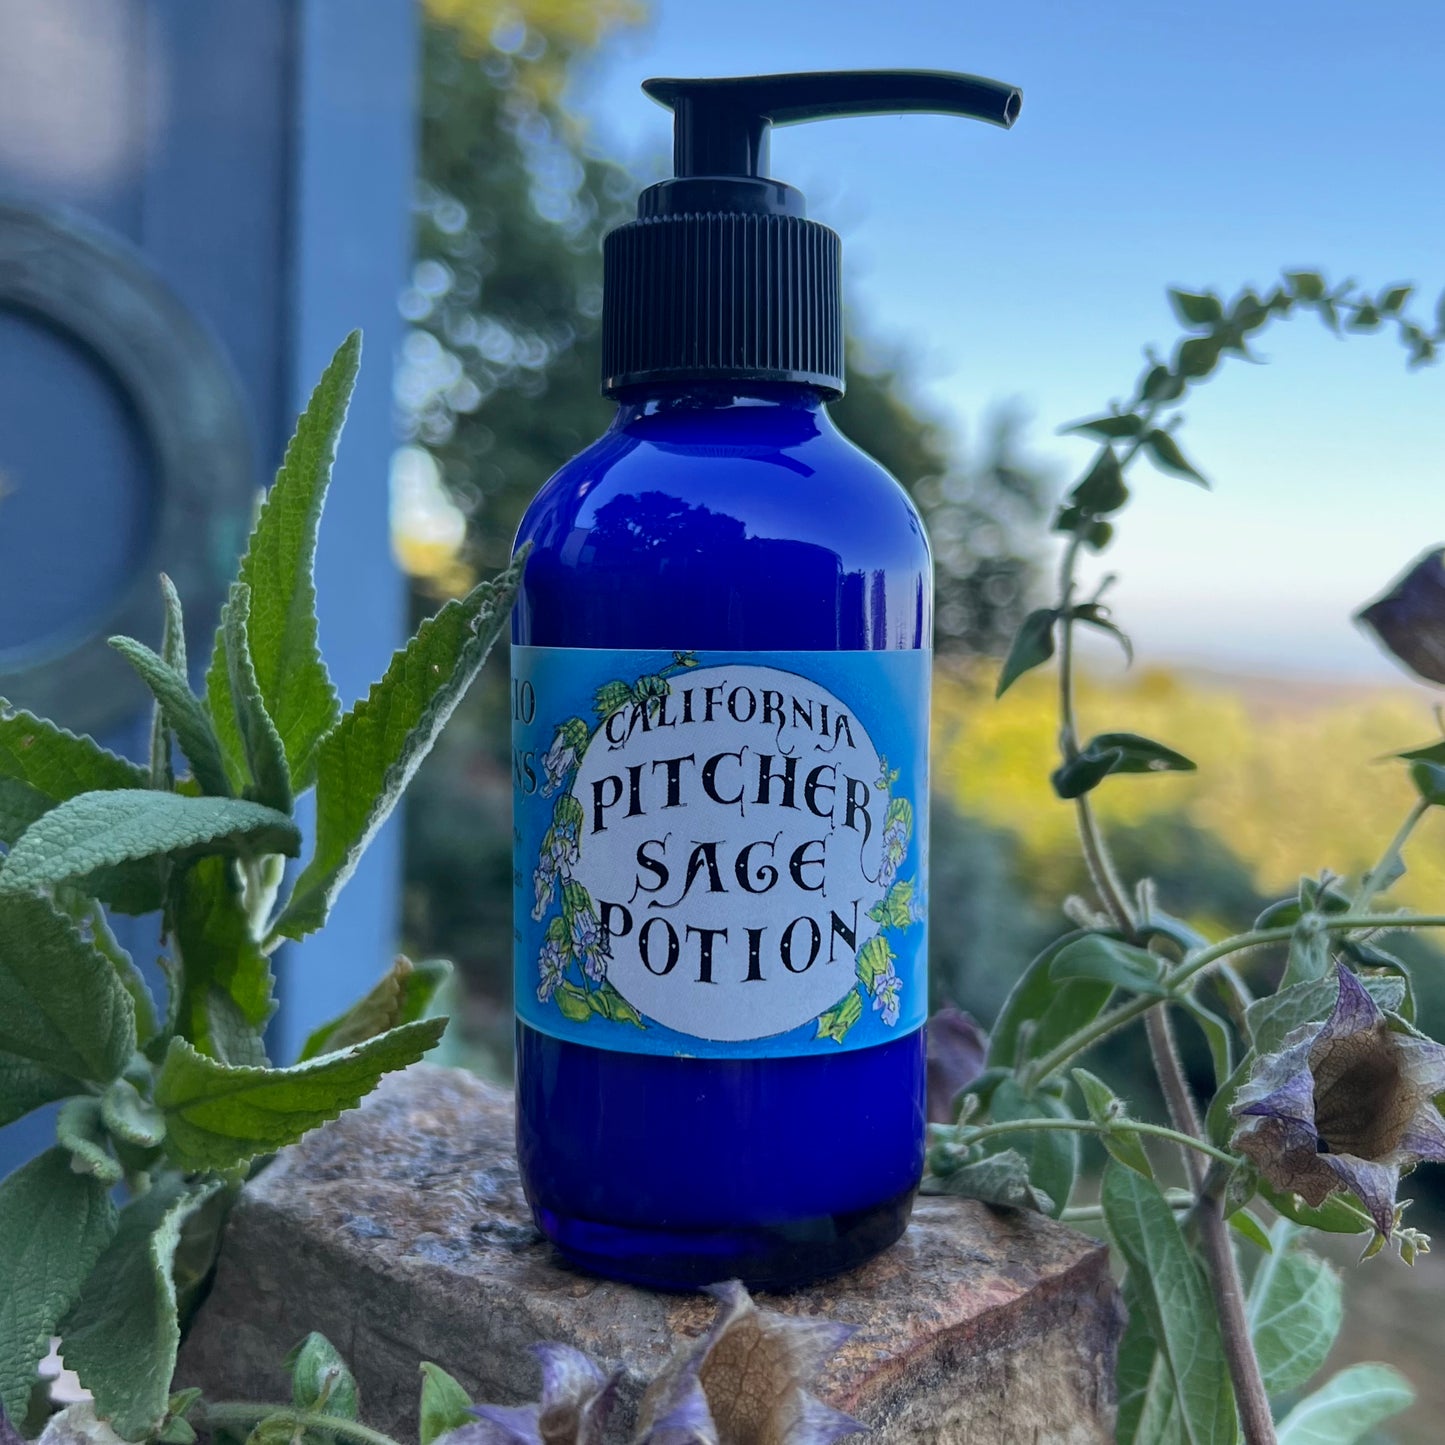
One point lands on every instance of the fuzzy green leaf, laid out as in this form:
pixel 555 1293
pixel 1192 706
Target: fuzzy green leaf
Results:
pixel 26 1085
pixel 184 714
pixel 130 1117
pixel 121 1334
pixel 1107 1110
pixel 444 1404
pixel 265 754
pixel 1033 645
pixel 61 1004
pixel 320 1379
pixel 218 1115
pixel 403 996
pixel 173 654
pixel 1106 960
pixel 90 917
pixel 98 831
pixel 54 1223
pixel 1172 1292
pixel 1001 1178
pixel 1041 1012
pixel 1343 1410
pixel 81 1131
pixel 1296 1307
pixel 42 765
pixel 278 568
pixel 363 766
pixel 1052 1155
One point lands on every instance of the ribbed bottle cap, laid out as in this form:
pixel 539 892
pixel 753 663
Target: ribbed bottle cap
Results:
pixel 722 295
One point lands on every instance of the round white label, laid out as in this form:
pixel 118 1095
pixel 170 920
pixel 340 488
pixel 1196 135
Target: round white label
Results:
pixel 732 842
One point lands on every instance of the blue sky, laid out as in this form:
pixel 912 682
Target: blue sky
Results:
pixel 1203 145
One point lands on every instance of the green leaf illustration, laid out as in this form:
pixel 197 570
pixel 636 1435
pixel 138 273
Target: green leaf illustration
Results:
pixel 573 1002
pixel 278 568
pixel 567 812
pixel 42 765
pixel 605 1000
pixel 894 910
pixel 875 959
pixel 366 762
pixel 576 900
pixel 54 1223
pixel 835 1023
pixel 900 810
pixel 611 696
pixel 219 1116
pixel 1033 645
pixel 1350 1404
pixel 121 1334
pixel 62 1007
pixel 184 713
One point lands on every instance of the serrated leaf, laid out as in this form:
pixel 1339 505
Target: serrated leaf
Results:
pixel 1052 1155
pixel 278 568
pixel 74 841
pixel 42 765
pixel 1175 1298
pixel 1040 1012
pixel 232 1038
pixel 90 918
pixel 121 1334
pixel 61 1004
pixel 1165 454
pixel 1340 1412
pixel 366 762
pixel 81 1132
pixel 1197 309
pixel 835 1023
pixel 212 942
pixel 1107 960
pixel 218 1116
pixel 131 1117
pixel 184 714
pixel 266 762
pixel 173 654
pixel 1295 1309
pixel 1033 645
pixel 26 1085
pixel 444 1404
pixel 320 1379
pixel 403 995
pixel 54 1224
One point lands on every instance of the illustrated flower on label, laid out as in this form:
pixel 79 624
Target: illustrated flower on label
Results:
pixel 544 889
pixel 746 1381
pixel 559 760
pixel 1345 1104
pixel 588 944
pixel 552 964
pixel 887 988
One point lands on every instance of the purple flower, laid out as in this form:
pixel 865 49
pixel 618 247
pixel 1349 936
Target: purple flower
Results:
pixel 1344 1104
pixel 552 965
pixel 557 762
pixel 746 1380
pixel 957 1048
pixel 544 887
pixel 1409 619
pixel 576 1399
pixel 886 988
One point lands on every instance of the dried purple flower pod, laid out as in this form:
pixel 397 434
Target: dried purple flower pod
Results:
pixel 1409 617
pixel 745 1382
pixel 576 1399
pixel 957 1047
pixel 1345 1104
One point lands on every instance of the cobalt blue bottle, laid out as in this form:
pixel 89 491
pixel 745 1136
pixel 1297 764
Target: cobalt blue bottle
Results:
pixel 720 714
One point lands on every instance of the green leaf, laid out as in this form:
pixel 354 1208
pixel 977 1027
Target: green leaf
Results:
pixel 121 1333
pixel 97 831
pixel 875 958
pixel 403 996
pixel 1309 952
pixel 1270 1019
pixel 1429 781
pixel 1216 1035
pixel 1148 1411
pixel 1194 360
pixel 54 1223
pixel 1392 302
pixel 320 1379
pixel 61 1004
pixel 444 1404
pixel 1102 490
pixel 894 910
pixel 611 696
pixel 1106 1109
pixel 1084 773
pixel 1116 753
pixel 1033 645
pixel 835 1023
pixel 183 712
pixel 1197 309
pixel 1091 614
pixel 278 568
pixel 131 1117
pixel 265 754
pixel 1106 960
pixel 212 941
pixel 26 1085
pixel 1116 426
pixel 1052 1155
pixel 1001 1178
pixel 606 1001
pixel 1340 1412
pixel 363 766
pixel 218 1115
pixel 1040 1012
pixel 1162 385
pixel 230 1037
pixel 173 654
pixel 42 765
pixel 1337 1215
pixel 1165 454
pixel 1175 1299
pixel 1296 1307
pixel 90 917
pixel 1306 285
pixel 1246 1226
pixel 80 1130
pixel 573 1002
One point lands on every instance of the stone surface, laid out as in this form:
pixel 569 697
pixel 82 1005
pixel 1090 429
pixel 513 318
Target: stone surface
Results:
pixel 401 1233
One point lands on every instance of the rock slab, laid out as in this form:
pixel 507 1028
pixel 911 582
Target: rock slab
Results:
pixel 400 1232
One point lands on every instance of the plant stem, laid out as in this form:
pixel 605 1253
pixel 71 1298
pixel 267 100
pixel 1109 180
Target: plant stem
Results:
pixel 245 1413
pixel 1087 1213
pixel 1372 882
pixel 1084 1126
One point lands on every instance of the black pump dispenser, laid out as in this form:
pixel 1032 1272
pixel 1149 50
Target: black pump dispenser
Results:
pixel 722 275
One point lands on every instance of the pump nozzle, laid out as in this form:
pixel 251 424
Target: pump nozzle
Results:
pixel 721 126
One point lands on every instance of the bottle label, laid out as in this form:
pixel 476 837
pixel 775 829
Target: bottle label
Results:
pixel 720 854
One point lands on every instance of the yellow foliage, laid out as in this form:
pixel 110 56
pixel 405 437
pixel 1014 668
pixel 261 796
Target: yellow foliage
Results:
pixel 572 24
pixel 1292 782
